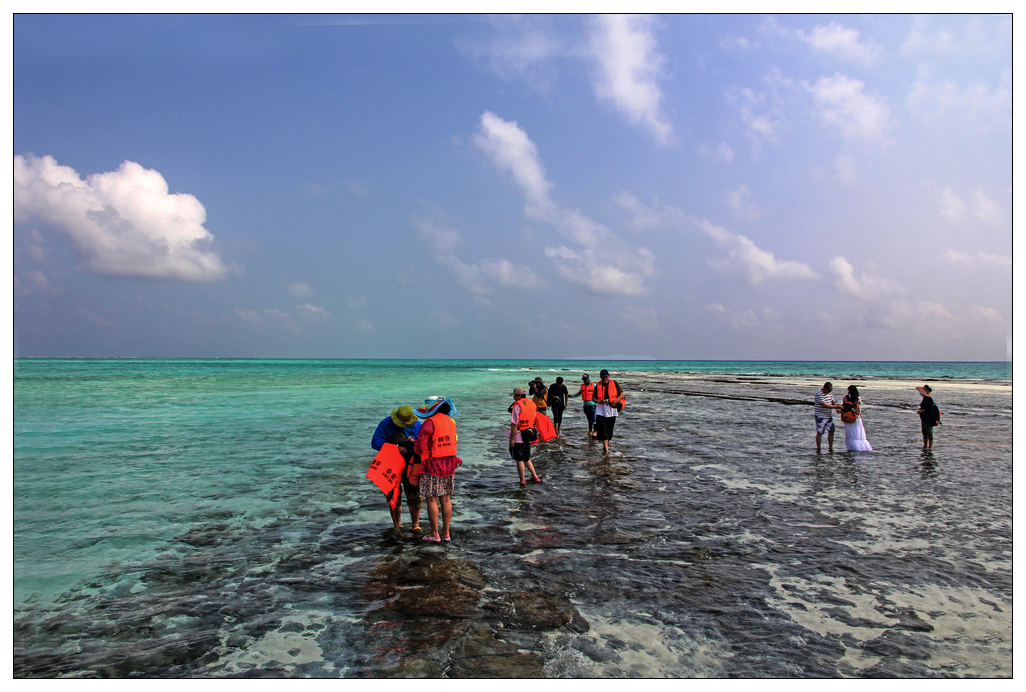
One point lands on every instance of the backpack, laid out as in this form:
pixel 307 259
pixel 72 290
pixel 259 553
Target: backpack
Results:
pixel 936 415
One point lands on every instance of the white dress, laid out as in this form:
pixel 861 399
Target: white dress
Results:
pixel 855 436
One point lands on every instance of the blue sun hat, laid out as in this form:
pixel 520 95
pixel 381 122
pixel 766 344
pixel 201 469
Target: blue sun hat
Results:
pixel 431 406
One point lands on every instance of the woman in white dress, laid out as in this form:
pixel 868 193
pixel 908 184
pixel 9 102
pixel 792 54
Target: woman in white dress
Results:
pixel 851 415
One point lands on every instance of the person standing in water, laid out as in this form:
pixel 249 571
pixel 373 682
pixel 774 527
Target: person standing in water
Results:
pixel 823 413
pixel 851 415
pixel 522 415
pixel 587 394
pixel 929 415
pixel 539 395
pixel 401 428
pixel 607 396
pixel 557 398
pixel 436 445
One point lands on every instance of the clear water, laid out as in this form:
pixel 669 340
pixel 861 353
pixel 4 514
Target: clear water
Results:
pixel 211 518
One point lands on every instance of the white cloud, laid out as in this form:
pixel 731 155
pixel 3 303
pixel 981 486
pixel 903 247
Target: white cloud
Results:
pixel 512 151
pixel 977 258
pixel 757 264
pixel 522 51
pixel 952 205
pixel 440 239
pixel 740 203
pixel 864 287
pixel 271 319
pixel 629 69
pixel 842 42
pixel 843 104
pixel 480 278
pixel 611 267
pixel 35 283
pixel 300 290
pixel 124 222
pixel 987 314
pixel 925 38
pixel 985 209
pixel 745 320
pixel 930 98
pixel 604 279
pixel 311 311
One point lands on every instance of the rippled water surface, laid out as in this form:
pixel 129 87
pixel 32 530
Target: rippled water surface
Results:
pixel 211 519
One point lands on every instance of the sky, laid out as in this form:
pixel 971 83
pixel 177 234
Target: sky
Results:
pixel 754 187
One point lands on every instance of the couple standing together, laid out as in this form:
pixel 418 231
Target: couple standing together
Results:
pixel 851 415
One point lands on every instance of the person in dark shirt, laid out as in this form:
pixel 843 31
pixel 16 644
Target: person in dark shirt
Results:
pixel 929 415
pixel 557 399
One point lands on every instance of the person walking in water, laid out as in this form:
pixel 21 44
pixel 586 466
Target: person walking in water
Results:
pixel 436 445
pixel 851 415
pixel 401 428
pixel 929 415
pixel 522 418
pixel 539 395
pixel 587 394
pixel 607 398
pixel 557 398
pixel 823 413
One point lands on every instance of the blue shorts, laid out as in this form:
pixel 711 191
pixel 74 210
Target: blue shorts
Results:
pixel 824 425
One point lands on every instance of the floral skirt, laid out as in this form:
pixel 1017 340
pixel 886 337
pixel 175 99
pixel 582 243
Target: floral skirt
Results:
pixel 436 486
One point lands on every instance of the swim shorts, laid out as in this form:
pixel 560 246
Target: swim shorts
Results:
pixel 824 424
pixel 520 451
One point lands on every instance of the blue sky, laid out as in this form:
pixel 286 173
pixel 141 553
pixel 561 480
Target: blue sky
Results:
pixel 678 187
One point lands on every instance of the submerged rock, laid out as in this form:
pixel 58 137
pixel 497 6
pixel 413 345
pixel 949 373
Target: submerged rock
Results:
pixel 533 610
pixel 481 655
pixel 448 600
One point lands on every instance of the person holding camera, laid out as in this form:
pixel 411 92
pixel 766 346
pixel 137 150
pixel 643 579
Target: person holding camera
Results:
pixel 522 433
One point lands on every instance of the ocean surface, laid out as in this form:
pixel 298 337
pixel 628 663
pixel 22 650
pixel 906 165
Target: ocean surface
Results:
pixel 211 518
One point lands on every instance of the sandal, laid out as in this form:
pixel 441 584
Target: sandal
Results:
pixel 431 539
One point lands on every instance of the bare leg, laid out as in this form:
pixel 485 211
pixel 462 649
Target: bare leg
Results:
pixel 446 515
pixel 414 508
pixel 520 471
pixel 433 516
pixel 819 442
pixel 530 466
pixel 830 441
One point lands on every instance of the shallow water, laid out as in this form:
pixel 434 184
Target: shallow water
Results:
pixel 210 518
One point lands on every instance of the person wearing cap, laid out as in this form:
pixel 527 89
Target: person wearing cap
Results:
pixel 929 415
pixel 539 395
pixel 436 445
pixel 400 428
pixel 587 394
pixel 607 394
pixel 522 415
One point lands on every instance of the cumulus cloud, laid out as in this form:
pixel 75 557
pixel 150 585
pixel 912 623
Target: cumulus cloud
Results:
pixel 629 68
pixel 843 42
pixel 844 105
pixel 300 290
pixel 311 311
pixel 604 265
pixel 982 207
pixel 124 222
pixel 521 51
pixel 479 278
pixel 932 98
pixel 864 286
pixel 740 202
pixel 757 264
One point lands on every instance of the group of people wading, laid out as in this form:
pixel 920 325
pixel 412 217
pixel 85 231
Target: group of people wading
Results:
pixel 417 447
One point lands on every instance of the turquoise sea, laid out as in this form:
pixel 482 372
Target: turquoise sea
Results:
pixel 211 518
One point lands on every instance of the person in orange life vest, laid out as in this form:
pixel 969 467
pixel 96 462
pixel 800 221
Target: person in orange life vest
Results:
pixel 607 393
pixel 522 418
pixel 401 428
pixel 436 445
pixel 587 394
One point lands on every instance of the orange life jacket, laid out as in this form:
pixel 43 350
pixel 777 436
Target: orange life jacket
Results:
pixel 528 412
pixel 587 391
pixel 443 441
pixel 602 392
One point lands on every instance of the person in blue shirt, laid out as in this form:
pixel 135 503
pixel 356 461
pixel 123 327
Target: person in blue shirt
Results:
pixel 401 428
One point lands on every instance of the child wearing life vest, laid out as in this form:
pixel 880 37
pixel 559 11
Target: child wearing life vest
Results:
pixel 587 394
